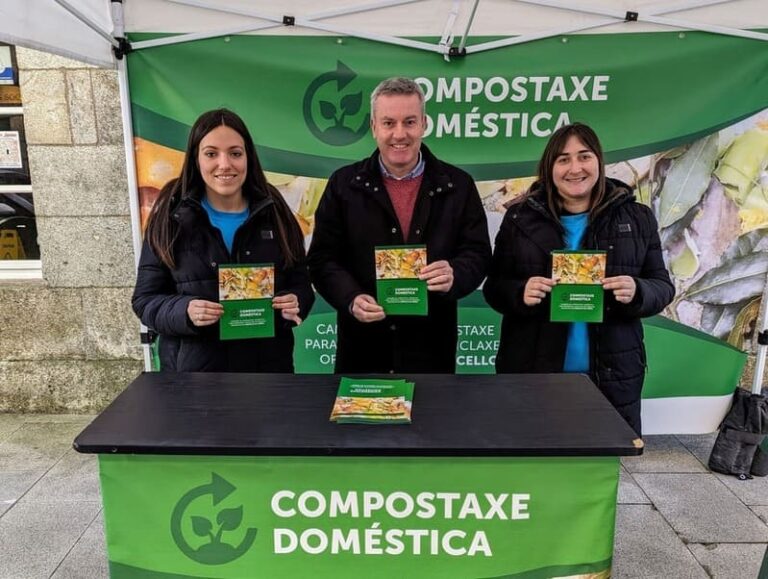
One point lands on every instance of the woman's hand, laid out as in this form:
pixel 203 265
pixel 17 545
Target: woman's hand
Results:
pixel 288 304
pixel 204 313
pixel 623 286
pixel 536 289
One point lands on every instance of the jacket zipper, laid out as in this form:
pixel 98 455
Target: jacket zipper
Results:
pixel 217 232
pixel 256 210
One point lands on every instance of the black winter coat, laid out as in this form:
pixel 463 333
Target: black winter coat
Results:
pixel 354 216
pixel 628 232
pixel 162 294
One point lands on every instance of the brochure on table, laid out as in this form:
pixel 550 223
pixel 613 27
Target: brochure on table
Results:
pixel 373 401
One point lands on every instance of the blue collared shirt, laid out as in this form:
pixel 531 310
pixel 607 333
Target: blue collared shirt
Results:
pixel 417 171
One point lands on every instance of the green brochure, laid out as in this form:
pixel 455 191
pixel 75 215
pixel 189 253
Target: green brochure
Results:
pixel 246 292
pixel 398 287
pixel 578 294
pixel 373 401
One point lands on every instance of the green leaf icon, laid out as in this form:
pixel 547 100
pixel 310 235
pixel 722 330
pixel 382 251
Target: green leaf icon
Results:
pixel 201 526
pixel 328 110
pixel 230 519
pixel 350 104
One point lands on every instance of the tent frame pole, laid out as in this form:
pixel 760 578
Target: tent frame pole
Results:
pixel 87 21
pixel 463 41
pixel 130 160
pixel 446 40
pixel 256 27
pixel 309 22
pixel 613 17
pixel 654 16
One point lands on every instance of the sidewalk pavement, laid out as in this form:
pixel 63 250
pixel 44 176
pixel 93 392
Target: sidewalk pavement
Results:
pixel 675 519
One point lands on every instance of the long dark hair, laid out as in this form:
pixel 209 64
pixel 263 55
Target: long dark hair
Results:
pixel 161 229
pixel 552 151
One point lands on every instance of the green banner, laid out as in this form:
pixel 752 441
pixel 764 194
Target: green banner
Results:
pixel 687 362
pixel 479 329
pixel 305 98
pixel 203 516
pixel 670 347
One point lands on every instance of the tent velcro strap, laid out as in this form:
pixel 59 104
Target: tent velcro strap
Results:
pixel 741 436
pixel 762 338
pixel 289 20
pixel 631 16
pixel 148 337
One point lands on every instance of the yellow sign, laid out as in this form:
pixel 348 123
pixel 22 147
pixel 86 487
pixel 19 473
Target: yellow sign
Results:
pixel 10 245
pixel 10 95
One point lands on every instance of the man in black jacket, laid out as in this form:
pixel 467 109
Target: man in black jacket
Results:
pixel 400 195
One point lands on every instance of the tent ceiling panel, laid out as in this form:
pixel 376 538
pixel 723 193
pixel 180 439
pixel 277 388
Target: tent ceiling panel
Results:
pixel 401 18
pixel 427 17
pixel 48 26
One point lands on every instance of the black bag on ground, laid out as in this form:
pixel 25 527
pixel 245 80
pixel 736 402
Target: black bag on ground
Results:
pixel 742 430
pixel 760 462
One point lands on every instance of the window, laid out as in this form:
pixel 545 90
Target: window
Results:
pixel 19 251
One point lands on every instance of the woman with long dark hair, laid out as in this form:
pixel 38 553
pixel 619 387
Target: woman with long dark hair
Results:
pixel 572 206
pixel 220 210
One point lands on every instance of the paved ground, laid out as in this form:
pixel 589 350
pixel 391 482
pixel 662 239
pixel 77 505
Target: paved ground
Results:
pixel 676 520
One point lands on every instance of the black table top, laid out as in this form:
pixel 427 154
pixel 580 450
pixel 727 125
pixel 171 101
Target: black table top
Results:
pixel 281 414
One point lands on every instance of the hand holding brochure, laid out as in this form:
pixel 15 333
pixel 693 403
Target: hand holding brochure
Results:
pixel 371 401
pixel 246 292
pixel 398 287
pixel 578 294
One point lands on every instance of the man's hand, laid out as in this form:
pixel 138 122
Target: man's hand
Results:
pixel 365 309
pixel 536 289
pixel 623 286
pixel 438 275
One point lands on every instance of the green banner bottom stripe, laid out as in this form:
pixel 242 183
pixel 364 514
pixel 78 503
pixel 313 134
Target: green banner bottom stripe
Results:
pixel 122 571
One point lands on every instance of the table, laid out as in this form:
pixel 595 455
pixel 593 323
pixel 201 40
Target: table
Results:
pixel 243 475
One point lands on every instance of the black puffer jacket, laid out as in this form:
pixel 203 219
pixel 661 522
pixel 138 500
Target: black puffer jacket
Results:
pixel 162 295
pixel 354 216
pixel 628 232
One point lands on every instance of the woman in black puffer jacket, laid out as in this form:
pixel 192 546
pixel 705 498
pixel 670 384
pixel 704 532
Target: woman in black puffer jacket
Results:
pixel 220 210
pixel 574 206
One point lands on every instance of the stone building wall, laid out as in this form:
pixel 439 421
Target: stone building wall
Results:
pixel 71 342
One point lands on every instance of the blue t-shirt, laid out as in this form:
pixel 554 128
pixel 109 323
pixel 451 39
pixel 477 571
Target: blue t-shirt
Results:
pixel 227 223
pixel 577 349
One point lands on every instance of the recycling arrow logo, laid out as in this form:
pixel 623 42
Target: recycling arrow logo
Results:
pixel 216 551
pixel 336 106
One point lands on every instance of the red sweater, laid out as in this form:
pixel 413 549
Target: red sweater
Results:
pixel 403 196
